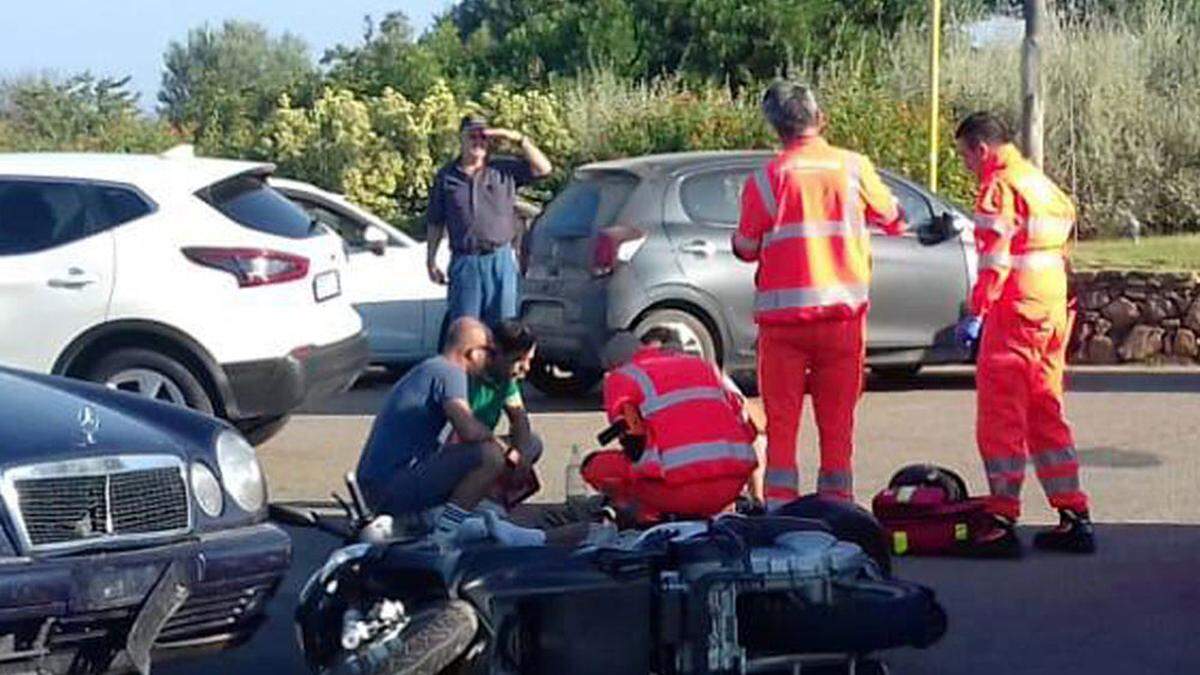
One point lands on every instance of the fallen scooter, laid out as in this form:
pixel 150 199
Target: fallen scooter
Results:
pixel 734 594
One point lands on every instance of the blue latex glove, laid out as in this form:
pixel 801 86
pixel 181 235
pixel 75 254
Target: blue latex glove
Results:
pixel 966 333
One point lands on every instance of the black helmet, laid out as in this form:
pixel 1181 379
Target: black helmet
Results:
pixel 931 475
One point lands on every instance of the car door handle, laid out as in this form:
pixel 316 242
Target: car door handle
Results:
pixel 75 278
pixel 704 249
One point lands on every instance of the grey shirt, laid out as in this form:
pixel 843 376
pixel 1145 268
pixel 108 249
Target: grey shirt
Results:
pixel 478 211
pixel 406 431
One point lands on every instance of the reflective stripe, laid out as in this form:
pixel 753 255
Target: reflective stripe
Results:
pixel 852 209
pixel 653 404
pixel 649 461
pixel 1060 486
pixel 995 261
pixel 642 379
pixel 764 192
pixel 657 404
pixel 811 230
pixel 1004 487
pixel 842 481
pixel 1047 227
pixel 1054 457
pixel 1003 465
pixel 990 223
pixel 782 478
pixel 1038 260
pixel 686 455
pixel 797 298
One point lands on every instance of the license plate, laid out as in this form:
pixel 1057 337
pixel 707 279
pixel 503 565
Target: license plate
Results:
pixel 327 285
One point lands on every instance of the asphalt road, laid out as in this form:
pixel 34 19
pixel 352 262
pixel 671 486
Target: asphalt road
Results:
pixel 1132 608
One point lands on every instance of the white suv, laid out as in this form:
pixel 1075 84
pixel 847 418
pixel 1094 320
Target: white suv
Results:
pixel 188 280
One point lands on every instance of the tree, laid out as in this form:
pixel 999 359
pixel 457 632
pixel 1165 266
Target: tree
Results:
pixel 82 112
pixel 388 57
pixel 219 84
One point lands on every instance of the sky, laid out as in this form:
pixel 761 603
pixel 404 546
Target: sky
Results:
pixel 128 37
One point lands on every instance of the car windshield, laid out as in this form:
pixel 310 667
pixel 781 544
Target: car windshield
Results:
pixel 591 202
pixel 250 201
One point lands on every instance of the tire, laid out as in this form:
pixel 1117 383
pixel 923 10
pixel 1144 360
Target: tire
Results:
pixel 153 375
pixel 898 373
pixel 259 430
pixel 697 338
pixel 433 640
pixel 557 382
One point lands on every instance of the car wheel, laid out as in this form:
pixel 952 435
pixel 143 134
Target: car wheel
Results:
pixel 556 381
pixel 902 372
pixel 259 430
pixel 153 375
pixel 695 335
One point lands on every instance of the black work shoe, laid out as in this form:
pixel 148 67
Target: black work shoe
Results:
pixel 1074 534
pixel 1000 541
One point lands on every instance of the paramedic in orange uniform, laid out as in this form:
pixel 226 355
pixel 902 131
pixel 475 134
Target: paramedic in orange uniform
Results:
pixel 804 219
pixel 1023 226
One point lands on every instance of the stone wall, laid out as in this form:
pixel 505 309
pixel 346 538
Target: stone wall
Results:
pixel 1136 317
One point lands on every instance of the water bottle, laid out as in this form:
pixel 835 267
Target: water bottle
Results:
pixel 577 490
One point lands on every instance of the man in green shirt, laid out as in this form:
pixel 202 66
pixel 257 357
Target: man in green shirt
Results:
pixel 498 390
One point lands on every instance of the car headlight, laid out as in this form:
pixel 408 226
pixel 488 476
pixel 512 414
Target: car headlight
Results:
pixel 240 471
pixel 207 490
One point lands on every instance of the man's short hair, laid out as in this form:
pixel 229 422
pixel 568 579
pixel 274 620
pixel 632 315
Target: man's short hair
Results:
pixel 790 108
pixel 514 337
pixel 983 127
pixel 664 335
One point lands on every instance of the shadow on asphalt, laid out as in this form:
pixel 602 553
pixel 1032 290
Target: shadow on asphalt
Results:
pixel 1130 609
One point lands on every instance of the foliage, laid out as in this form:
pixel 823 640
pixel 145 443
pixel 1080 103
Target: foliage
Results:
pixel 79 113
pixel 1122 134
pixel 218 84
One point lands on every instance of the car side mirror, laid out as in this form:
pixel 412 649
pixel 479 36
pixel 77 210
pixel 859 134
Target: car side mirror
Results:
pixel 375 240
pixel 942 227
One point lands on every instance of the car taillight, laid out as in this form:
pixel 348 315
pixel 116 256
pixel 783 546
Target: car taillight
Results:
pixel 615 245
pixel 251 266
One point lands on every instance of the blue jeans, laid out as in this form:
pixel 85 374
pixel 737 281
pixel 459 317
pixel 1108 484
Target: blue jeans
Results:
pixel 427 483
pixel 483 286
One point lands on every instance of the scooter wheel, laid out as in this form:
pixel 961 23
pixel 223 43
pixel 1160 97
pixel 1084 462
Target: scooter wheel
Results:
pixel 431 641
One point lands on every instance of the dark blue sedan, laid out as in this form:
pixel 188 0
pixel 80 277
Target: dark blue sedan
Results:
pixel 129 529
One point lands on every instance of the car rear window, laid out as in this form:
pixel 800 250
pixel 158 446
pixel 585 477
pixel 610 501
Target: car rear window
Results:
pixel 589 203
pixel 250 201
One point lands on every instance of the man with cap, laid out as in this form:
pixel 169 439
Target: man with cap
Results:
pixel 473 201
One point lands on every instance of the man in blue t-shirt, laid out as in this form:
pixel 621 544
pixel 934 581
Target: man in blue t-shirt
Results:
pixel 404 467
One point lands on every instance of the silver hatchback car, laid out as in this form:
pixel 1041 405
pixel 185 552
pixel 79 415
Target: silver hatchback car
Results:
pixel 636 243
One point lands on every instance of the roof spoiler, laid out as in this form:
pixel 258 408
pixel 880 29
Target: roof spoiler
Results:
pixel 181 151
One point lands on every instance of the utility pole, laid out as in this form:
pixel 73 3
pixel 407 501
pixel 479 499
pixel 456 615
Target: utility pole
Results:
pixel 1032 111
pixel 935 49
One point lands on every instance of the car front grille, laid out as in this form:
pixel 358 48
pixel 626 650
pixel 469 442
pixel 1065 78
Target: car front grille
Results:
pixel 79 502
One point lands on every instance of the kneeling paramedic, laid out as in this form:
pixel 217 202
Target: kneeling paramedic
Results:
pixel 688 449
pixel 1023 225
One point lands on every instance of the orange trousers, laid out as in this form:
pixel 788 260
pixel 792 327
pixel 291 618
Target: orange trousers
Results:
pixel 1020 414
pixel 611 472
pixel 824 359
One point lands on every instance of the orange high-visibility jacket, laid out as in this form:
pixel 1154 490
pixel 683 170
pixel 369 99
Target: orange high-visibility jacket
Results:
pixel 694 426
pixel 807 212
pixel 1023 225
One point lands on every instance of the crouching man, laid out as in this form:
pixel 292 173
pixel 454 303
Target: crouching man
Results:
pixel 688 452
pixel 404 468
